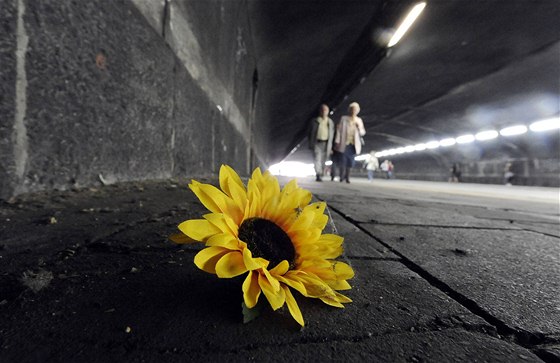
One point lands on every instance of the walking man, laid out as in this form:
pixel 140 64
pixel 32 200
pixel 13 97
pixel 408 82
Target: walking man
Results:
pixel 321 139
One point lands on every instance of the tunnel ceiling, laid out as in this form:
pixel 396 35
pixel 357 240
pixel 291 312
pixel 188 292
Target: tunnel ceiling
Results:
pixel 463 66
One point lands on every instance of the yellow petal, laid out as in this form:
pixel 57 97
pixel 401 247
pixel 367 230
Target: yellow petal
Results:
pixel 232 185
pixel 251 289
pixel 293 283
pixel 275 297
pixel 293 306
pixel 198 229
pixel 207 258
pixel 303 222
pixel 182 238
pixel 215 200
pixel 273 281
pixel 329 300
pixel 238 194
pixel 317 207
pixel 250 262
pixel 342 270
pixel 341 298
pixel 253 204
pixel 228 176
pixel 314 286
pixel 281 268
pixel 222 222
pixel 223 240
pixel 230 265
pixel 339 285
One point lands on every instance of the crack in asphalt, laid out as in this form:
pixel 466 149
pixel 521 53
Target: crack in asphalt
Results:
pixel 368 258
pixel 433 225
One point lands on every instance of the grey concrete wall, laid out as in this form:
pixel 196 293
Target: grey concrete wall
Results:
pixel 122 90
pixel 8 46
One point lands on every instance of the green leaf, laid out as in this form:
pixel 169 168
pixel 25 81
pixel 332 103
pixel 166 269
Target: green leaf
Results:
pixel 250 314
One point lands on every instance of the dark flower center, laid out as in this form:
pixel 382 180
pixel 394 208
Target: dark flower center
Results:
pixel 265 239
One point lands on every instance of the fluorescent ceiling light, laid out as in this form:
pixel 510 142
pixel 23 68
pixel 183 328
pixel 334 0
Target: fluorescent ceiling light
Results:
pixel 400 150
pixel 420 147
pixel 447 142
pixel 407 22
pixel 513 130
pixel 464 139
pixel 432 144
pixel 328 162
pixel 409 149
pixel 361 157
pixel 546 125
pixel 486 135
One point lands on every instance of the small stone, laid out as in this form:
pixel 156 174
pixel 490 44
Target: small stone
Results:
pixel 36 281
pixel 53 220
pixel 128 329
pixel 134 270
pixel 461 252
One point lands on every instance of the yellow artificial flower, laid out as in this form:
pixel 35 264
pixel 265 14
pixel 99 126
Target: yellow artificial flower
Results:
pixel 271 234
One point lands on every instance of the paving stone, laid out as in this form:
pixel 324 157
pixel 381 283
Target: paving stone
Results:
pixel 443 346
pixel 168 302
pixel 386 211
pixel 356 242
pixel 514 275
pixel 121 291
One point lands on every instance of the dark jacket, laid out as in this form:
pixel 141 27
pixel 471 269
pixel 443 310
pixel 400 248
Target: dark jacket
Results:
pixel 313 133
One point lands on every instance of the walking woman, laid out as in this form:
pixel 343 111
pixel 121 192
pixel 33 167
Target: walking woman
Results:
pixel 348 140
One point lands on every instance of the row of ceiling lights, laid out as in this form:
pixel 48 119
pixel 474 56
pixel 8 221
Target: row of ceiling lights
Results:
pixel 543 125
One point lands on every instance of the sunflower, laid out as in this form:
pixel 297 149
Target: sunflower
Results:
pixel 273 235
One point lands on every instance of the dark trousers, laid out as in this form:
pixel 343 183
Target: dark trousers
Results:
pixel 347 162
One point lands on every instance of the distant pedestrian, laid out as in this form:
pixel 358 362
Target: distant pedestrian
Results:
pixel 348 141
pixel 508 174
pixel 384 166
pixel 390 169
pixel 455 176
pixel 372 164
pixel 321 136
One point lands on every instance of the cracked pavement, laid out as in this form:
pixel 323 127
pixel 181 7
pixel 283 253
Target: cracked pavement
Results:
pixel 89 275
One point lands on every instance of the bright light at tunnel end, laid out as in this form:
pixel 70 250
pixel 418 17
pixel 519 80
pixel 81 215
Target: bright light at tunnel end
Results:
pixel 407 23
pixel 292 169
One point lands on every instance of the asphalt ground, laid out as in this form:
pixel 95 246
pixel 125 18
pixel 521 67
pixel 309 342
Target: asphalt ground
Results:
pixel 444 272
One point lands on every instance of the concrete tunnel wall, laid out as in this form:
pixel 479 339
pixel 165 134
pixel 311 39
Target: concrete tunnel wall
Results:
pixel 106 91
pixel 534 161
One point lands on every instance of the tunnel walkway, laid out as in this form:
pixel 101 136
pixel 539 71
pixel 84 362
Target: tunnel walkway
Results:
pixel 443 273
